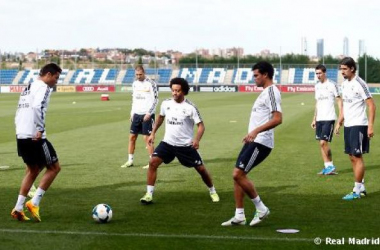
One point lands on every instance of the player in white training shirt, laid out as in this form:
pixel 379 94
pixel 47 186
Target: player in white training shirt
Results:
pixel 144 102
pixel 36 151
pixel 180 116
pixel 326 92
pixel 266 114
pixel 358 129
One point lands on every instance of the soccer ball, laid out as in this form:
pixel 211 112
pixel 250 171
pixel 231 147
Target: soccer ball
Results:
pixel 102 213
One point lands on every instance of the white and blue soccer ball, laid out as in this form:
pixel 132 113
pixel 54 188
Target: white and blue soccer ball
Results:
pixel 102 213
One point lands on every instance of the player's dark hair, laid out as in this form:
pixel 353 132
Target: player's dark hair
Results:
pixel 264 68
pixel 140 67
pixel 51 68
pixel 180 81
pixel 321 67
pixel 349 62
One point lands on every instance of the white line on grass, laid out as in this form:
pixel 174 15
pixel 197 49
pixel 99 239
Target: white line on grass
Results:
pixel 180 236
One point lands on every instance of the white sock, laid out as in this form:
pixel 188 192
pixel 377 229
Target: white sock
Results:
pixel 329 163
pixel 212 190
pixel 150 189
pixel 363 187
pixel 239 214
pixel 259 204
pixel 357 187
pixel 38 196
pixel 130 157
pixel 20 203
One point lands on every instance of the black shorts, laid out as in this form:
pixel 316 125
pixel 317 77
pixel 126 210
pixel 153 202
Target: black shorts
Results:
pixel 187 156
pixel 356 141
pixel 138 126
pixel 251 155
pixel 324 130
pixel 39 152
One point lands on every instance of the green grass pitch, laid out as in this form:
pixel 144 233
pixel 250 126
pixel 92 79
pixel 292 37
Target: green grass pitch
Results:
pixel 91 138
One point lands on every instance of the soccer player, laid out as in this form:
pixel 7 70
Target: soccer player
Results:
pixel 36 151
pixel 324 118
pixel 144 102
pixel 358 129
pixel 180 115
pixel 266 114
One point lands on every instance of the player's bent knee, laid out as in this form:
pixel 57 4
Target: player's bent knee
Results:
pixel 55 167
pixel 238 174
pixel 154 162
pixel 34 171
pixel 133 137
pixel 201 168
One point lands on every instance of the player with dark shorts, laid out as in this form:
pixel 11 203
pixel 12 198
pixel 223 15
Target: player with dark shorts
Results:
pixel 180 116
pixel 358 127
pixel 356 141
pixel 41 152
pixel 139 126
pixel 144 102
pixel 326 94
pixel 324 130
pixel 266 114
pixel 187 155
pixel 251 155
pixel 36 151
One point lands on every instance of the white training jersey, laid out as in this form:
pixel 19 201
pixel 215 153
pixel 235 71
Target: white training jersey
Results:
pixel 31 110
pixel 354 94
pixel 144 97
pixel 179 121
pixel 325 94
pixel 267 102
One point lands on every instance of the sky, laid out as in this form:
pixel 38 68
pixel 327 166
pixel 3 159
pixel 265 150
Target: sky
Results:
pixel 185 25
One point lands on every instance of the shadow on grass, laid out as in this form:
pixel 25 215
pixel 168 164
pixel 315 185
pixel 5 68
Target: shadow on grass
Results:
pixel 73 164
pixel 191 212
pixel 220 160
pixel 367 168
pixel 7 153
pixel 21 166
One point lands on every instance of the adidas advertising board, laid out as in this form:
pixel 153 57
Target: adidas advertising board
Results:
pixel 218 88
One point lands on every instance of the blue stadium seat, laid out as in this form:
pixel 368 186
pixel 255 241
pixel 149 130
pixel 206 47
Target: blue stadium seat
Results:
pixel 190 74
pixel 129 77
pixel 307 75
pixel 245 76
pixel 94 76
pixel 30 75
pixel 161 76
pixel 203 75
pixel 7 75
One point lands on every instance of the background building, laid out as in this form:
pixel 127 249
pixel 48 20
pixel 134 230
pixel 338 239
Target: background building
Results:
pixel 345 47
pixel 304 46
pixel 361 47
pixel 320 48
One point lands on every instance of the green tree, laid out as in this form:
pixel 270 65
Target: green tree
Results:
pixel 329 59
pixel 152 64
pixel 138 61
pixel 142 52
pixel 373 69
pixel 83 52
